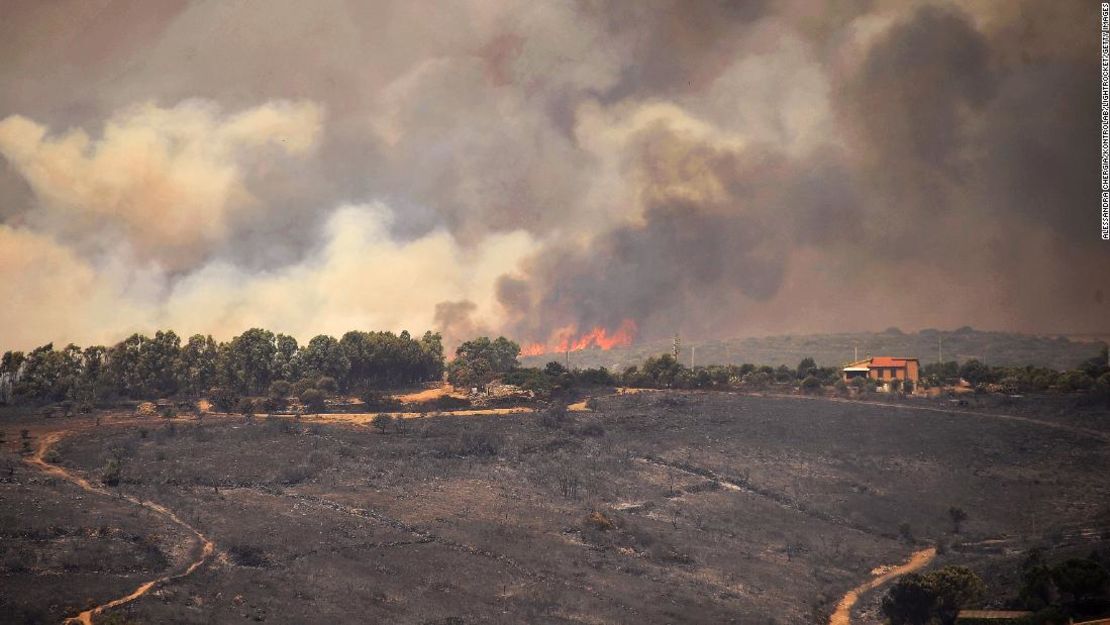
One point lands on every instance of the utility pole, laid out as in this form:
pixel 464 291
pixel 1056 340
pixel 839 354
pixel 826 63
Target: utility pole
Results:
pixel 677 345
pixel 940 349
pixel 568 359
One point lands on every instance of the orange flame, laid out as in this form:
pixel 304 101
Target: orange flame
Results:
pixel 533 349
pixel 569 340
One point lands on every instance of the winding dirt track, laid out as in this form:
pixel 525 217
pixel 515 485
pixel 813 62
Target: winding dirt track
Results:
pixel 882 575
pixel 842 615
pixel 207 547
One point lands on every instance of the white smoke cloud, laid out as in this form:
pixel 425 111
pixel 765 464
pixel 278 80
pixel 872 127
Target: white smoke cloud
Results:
pixel 360 278
pixel 165 182
pixel 49 293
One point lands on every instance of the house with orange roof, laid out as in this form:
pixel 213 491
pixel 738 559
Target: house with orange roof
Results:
pixel 883 369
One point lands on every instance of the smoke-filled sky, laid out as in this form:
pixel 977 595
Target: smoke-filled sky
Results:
pixel 540 169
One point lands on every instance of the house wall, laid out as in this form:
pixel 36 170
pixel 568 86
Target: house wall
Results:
pixel 911 371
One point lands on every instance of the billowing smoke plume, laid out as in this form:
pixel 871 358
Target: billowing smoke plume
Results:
pixel 570 174
pixel 934 168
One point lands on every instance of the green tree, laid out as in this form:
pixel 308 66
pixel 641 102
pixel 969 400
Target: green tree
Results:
pixel 1075 380
pixel 1081 582
pixel 431 356
pixel 663 371
pixel 919 599
pixel 124 370
pixel 196 367
pixel 384 359
pixel 46 374
pixel 157 364
pixel 382 421
pixel 313 400
pixel 954 587
pixel 783 374
pixel 757 379
pixel 806 367
pixel 1102 384
pixel 280 390
pixel 941 373
pixel 1038 591
pixel 1096 366
pixel 323 357
pixel 480 360
pixel 909 601
pixel 327 385
pixel 248 359
pixel 287 363
pixel 224 399
pixel 811 385
pixel 94 383
pixel 976 372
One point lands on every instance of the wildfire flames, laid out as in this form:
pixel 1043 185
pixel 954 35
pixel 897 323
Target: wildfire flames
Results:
pixel 568 339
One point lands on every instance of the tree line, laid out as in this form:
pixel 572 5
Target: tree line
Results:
pixel 1091 374
pixel 665 371
pixel 144 367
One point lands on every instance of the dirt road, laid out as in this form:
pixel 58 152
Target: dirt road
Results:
pixel 881 575
pixel 207 547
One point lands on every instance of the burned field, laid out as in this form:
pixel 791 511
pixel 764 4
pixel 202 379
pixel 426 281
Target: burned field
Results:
pixel 657 507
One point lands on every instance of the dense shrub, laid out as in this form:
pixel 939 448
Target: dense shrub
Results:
pixel 223 399
pixel 382 421
pixel 935 597
pixel 1075 380
pixel 376 401
pixel 811 385
pixel 110 474
pixel 313 400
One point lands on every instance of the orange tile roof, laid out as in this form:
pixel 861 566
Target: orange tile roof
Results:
pixel 888 361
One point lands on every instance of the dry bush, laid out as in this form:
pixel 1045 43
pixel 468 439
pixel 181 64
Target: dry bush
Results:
pixel 278 425
pixel 320 459
pixel 594 430
pixel 479 443
pixel 294 474
pixel 554 417
pixel 597 520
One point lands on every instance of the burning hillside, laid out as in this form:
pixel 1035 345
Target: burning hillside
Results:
pixel 569 339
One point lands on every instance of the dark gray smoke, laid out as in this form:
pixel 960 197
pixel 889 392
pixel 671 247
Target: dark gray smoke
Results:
pixel 960 148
